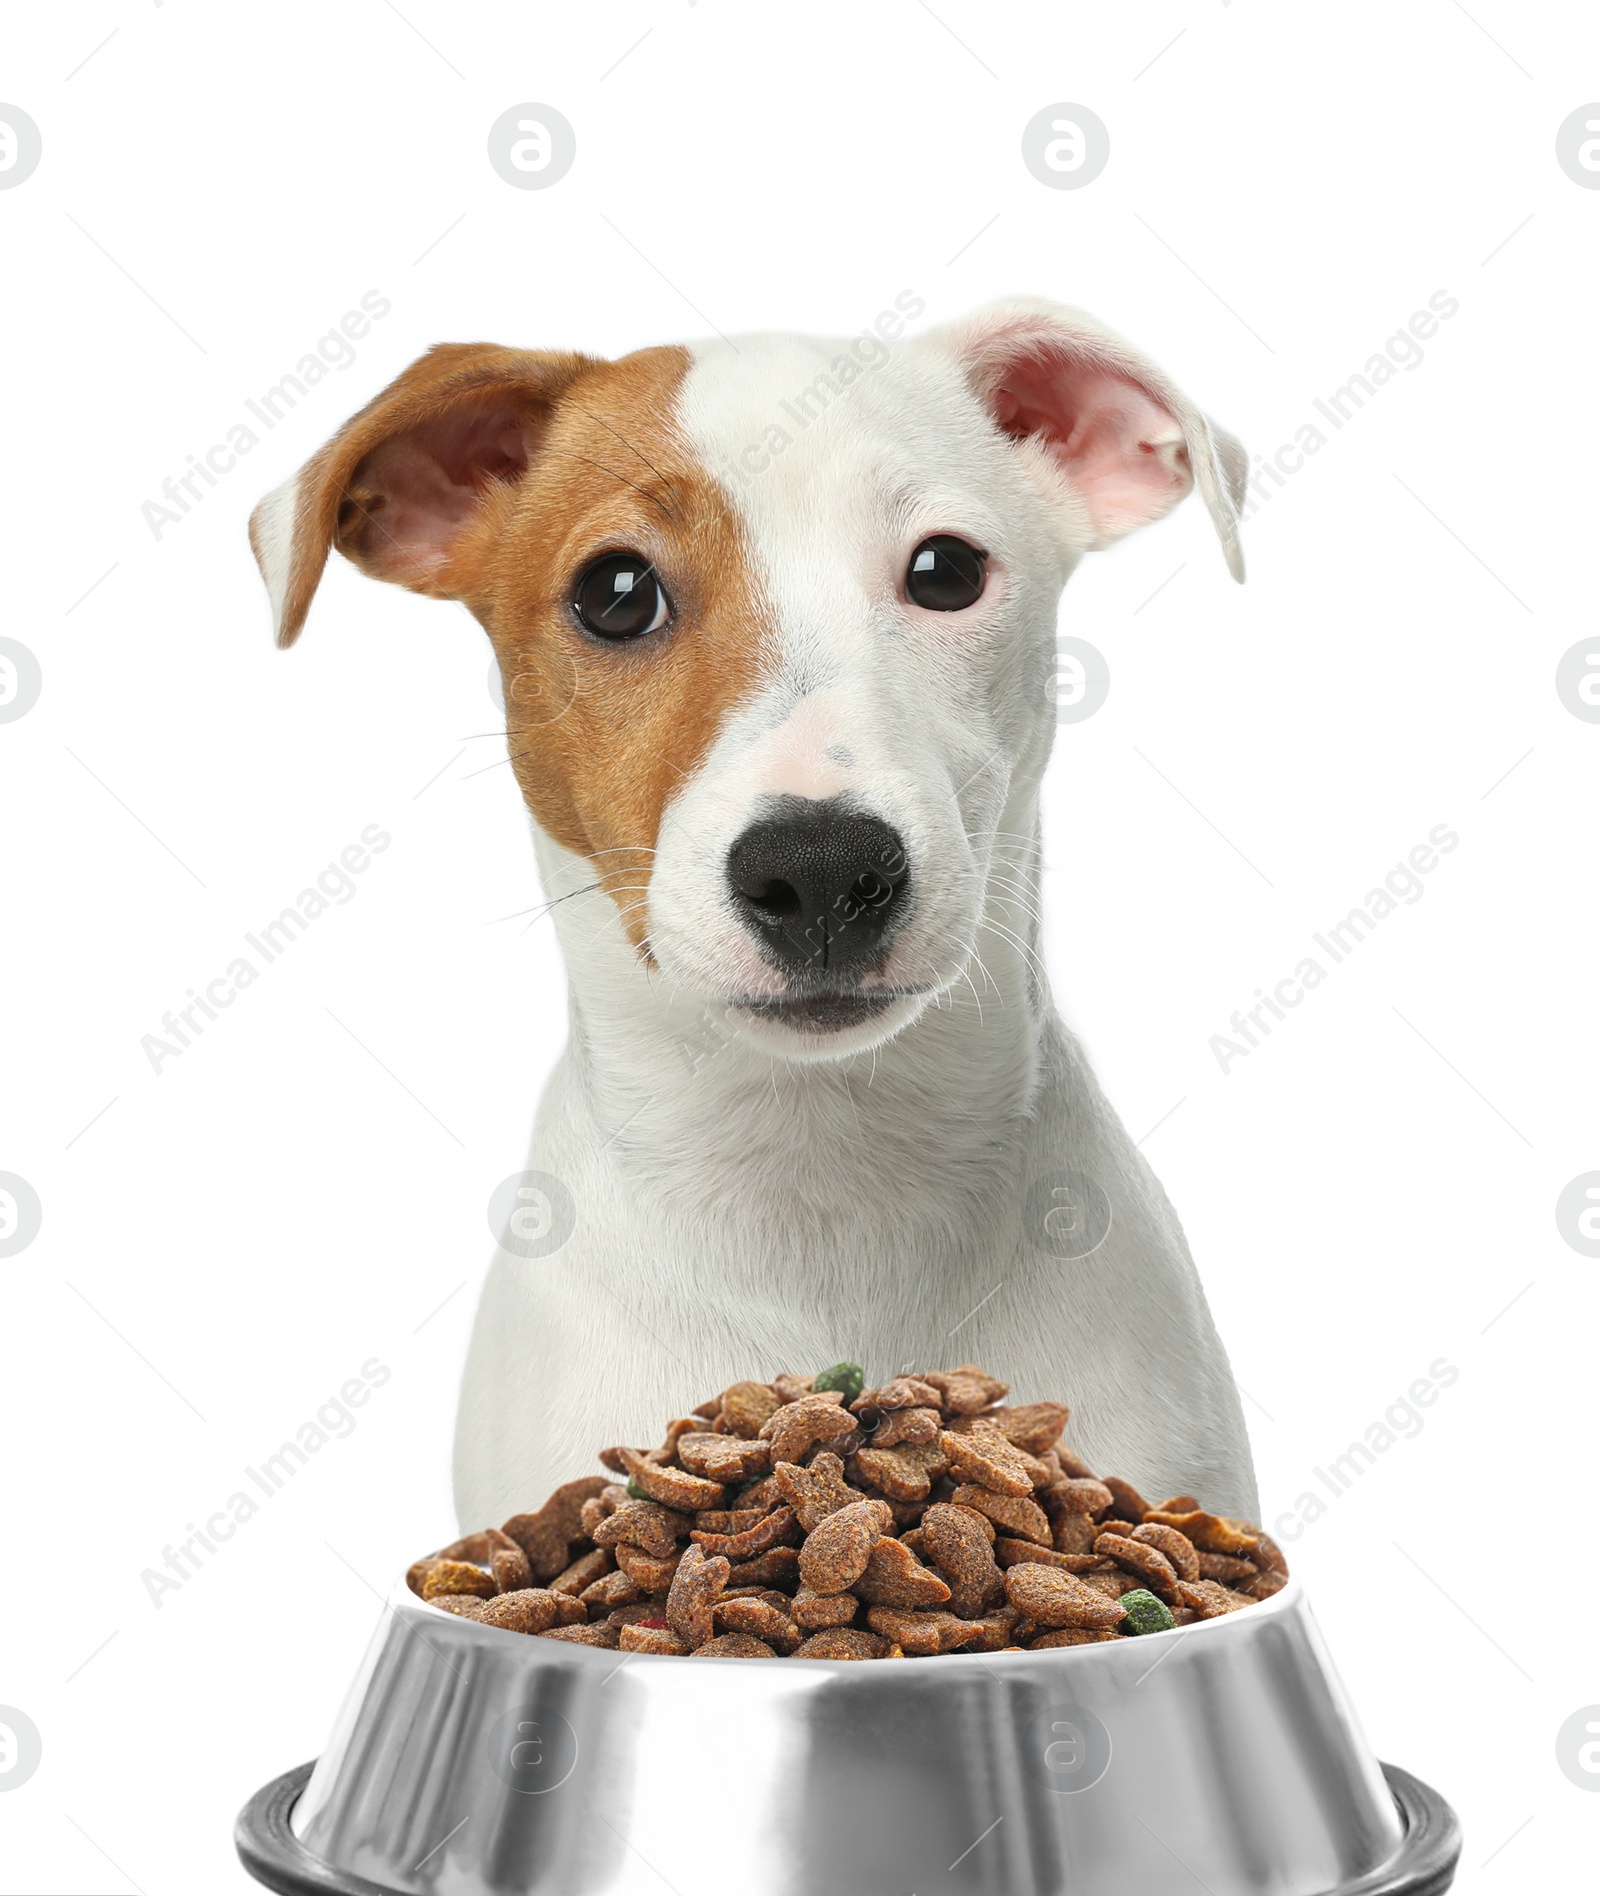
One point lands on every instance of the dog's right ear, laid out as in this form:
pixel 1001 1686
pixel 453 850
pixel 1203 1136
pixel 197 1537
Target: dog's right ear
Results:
pixel 399 483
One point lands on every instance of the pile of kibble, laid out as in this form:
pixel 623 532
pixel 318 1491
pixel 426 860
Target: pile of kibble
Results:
pixel 810 1518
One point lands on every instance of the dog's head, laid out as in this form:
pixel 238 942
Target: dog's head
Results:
pixel 774 618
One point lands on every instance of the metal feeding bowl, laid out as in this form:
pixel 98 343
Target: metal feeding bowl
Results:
pixel 471 1761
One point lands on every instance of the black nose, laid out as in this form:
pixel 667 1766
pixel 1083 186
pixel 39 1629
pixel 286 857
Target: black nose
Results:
pixel 819 885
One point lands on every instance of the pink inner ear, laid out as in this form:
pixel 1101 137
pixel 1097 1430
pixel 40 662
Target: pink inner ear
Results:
pixel 1122 450
pixel 416 493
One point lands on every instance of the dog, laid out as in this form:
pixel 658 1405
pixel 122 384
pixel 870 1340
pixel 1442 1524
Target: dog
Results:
pixel 775 618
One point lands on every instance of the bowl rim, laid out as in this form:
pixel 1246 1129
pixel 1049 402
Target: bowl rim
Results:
pixel 1287 1598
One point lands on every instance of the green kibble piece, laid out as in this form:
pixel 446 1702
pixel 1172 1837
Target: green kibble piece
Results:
pixel 848 1378
pixel 1145 1613
pixel 636 1491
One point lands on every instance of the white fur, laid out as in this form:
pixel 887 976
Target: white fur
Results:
pixel 751 1200
pixel 273 527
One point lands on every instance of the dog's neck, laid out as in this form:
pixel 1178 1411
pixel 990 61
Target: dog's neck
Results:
pixel 911 1137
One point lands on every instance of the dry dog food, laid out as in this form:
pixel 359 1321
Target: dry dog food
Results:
pixel 813 1518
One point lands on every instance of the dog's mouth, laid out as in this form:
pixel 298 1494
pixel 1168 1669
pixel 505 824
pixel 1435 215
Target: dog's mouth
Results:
pixel 822 1013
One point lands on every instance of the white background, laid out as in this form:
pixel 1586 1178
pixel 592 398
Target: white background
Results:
pixel 1372 1189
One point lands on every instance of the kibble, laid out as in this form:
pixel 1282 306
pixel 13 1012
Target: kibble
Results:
pixel 814 1517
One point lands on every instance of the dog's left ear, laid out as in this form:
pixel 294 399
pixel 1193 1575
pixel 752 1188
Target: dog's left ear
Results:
pixel 400 484
pixel 1127 441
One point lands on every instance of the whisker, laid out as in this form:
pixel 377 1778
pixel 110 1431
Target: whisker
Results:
pixel 1019 944
pixel 643 492
pixel 511 757
pixel 542 908
pixel 622 438
pixel 983 968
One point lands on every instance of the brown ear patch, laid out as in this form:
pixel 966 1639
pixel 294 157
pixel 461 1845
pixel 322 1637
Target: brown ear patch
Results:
pixel 602 736
pixel 399 481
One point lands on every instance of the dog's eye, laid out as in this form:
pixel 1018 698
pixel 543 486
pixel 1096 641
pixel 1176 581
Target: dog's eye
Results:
pixel 946 574
pixel 619 597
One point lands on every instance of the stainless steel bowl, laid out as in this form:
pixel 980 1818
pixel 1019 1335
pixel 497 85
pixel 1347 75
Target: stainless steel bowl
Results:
pixel 1222 1756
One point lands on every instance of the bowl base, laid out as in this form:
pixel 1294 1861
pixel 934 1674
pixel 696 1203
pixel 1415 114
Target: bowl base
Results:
pixel 1424 1865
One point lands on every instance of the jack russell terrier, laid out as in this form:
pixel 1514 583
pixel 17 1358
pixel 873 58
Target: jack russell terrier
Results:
pixel 781 716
